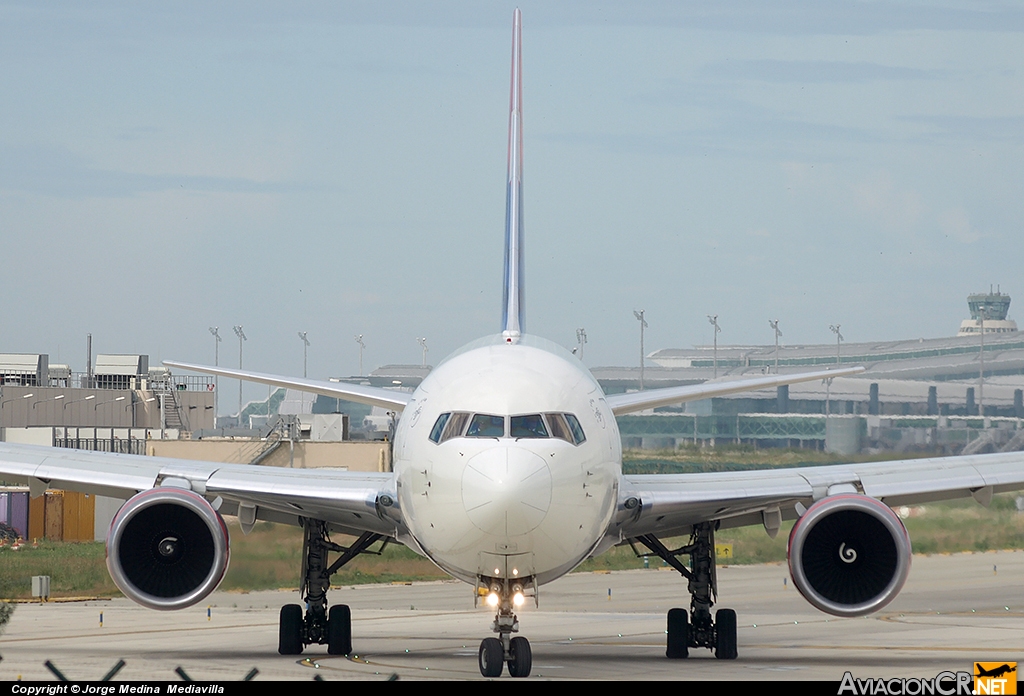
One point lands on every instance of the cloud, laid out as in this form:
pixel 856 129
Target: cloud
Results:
pixel 58 172
pixel 891 207
pixel 815 71
pixel 956 223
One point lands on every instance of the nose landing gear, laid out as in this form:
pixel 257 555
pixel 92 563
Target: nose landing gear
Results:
pixel 494 653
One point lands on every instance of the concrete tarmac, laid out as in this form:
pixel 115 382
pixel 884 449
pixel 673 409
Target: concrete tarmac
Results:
pixel 953 611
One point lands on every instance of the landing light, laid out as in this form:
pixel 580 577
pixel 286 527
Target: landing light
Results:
pixel 492 599
pixel 518 599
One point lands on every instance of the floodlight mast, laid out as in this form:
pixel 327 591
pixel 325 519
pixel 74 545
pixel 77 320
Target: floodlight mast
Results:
pixel 643 325
pixel 216 382
pixel 774 323
pixel 305 348
pixel 713 320
pixel 982 316
pixel 423 345
pixel 241 337
pixel 581 340
pixel 362 346
pixel 834 328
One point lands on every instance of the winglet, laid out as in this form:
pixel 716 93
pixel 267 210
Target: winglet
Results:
pixel 513 311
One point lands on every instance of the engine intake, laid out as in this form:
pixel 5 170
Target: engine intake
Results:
pixel 167 548
pixel 849 555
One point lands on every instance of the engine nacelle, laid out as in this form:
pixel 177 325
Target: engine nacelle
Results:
pixel 849 555
pixel 167 548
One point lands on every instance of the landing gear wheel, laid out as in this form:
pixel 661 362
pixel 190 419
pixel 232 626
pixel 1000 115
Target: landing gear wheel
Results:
pixel 289 637
pixel 492 657
pixel 678 634
pixel 339 630
pixel 725 643
pixel 520 658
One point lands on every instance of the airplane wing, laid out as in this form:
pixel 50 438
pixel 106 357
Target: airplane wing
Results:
pixel 374 396
pixel 668 505
pixel 351 501
pixel 652 398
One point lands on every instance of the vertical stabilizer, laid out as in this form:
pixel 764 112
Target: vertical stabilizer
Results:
pixel 512 309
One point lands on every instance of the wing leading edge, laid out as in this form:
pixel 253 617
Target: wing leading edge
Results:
pixel 349 500
pixel 374 396
pixel 668 505
pixel 652 398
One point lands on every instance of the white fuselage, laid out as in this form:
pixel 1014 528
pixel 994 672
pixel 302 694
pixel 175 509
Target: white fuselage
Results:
pixel 508 506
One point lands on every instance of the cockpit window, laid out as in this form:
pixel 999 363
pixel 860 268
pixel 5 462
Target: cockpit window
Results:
pixel 435 432
pixel 484 425
pixel 559 428
pixel 528 426
pixel 455 425
pixel 577 430
pixel 562 426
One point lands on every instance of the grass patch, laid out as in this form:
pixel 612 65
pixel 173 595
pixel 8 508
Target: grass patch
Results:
pixel 691 459
pixel 74 569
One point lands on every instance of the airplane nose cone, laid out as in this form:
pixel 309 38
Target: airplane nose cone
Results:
pixel 506 490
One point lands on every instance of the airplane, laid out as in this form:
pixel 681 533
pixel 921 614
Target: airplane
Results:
pixel 507 474
pixel 995 671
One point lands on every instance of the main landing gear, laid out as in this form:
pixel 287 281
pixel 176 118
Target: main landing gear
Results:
pixel 697 629
pixel 504 596
pixel 318 625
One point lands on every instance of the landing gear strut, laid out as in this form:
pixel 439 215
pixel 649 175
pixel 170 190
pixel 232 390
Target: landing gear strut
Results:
pixel 504 596
pixel 697 629
pixel 318 625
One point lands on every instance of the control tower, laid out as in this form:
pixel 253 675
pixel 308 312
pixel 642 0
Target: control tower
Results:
pixel 992 307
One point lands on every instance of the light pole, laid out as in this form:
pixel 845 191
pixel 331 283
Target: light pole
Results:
pixel 24 396
pixel 151 399
pixel 714 322
pixel 839 337
pixel 362 346
pixel 241 337
pixel 64 408
pixel 423 345
pixel 216 363
pixel 774 323
pixel 581 340
pixel 982 315
pixel 305 348
pixel 56 398
pixel 103 403
pixel 643 325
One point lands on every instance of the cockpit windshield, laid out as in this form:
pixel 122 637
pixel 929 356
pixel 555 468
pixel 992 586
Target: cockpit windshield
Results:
pixel 561 426
pixel 484 425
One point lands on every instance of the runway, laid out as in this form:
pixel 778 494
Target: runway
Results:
pixel 954 610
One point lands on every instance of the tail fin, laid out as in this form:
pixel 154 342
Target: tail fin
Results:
pixel 513 311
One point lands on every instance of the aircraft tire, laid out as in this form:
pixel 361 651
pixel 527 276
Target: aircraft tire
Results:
pixel 520 659
pixel 289 637
pixel 678 634
pixel 339 630
pixel 725 642
pixel 492 657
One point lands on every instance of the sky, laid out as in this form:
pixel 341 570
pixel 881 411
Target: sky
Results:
pixel 339 169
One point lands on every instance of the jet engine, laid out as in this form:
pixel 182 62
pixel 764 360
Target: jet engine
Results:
pixel 849 555
pixel 167 548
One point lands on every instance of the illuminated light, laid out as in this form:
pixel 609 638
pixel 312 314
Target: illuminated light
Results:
pixel 518 599
pixel 492 599
pixel 515 571
pixel 497 572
